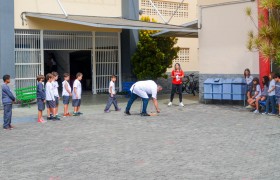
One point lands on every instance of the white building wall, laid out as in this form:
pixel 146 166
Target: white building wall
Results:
pixel 223 37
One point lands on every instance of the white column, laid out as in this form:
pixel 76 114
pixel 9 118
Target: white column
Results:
pixel 42 51
pixel 93 65
pixel 120 61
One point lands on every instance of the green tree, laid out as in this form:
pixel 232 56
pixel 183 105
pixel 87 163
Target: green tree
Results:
pixel 153 55
pixel 267 41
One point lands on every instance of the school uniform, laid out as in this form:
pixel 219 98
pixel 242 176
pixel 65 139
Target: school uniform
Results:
pixel 65 94
pixel 249 82
pixel 271 98
pixel 55 92
pixel 76 101
pixel 277 92
pixel 7 101
pixel 50 96
pixel 41 96
pixel 112 98
pixel 258 90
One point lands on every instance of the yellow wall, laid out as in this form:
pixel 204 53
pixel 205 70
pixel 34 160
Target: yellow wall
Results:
pixel 223 38
pixel 108 8
pixel 191 43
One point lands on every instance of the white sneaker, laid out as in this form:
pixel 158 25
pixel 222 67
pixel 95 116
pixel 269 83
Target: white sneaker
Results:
pixel 181 104
pixel 256 111
pixel 170 104
pixel 249 107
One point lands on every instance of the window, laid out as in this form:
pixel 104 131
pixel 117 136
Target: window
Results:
pixel 165 8
pixel 183 56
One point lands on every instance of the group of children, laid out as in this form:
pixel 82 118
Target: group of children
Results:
pixel 270 94
pixel 49 95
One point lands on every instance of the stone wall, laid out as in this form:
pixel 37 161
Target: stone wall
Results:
pixel 203 77
pixel 167 83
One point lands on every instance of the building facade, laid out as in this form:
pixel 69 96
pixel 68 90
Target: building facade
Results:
pixel 223 35
pixel 187 12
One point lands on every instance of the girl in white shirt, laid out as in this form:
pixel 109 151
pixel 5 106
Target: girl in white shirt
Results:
pixel 248 79
pixel 256 92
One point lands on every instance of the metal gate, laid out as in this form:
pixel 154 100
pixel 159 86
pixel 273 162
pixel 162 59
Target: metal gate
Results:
pixel 28 62
pixel 105 48
pixel 106 59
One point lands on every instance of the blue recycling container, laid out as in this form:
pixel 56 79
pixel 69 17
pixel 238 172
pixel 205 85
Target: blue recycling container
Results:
pixel 227 89
pixel 238 89
pixel 218 88
pixel 208 88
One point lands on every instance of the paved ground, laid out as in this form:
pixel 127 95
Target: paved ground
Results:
pixel 195 142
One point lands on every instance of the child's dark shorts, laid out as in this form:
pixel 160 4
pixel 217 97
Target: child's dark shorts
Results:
pixel 66 99
pixel 76 102
pixel 56 100
pixel 41 104
pixel 51 104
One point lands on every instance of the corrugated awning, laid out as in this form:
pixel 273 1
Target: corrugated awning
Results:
pixel 108 22
pixel 191 31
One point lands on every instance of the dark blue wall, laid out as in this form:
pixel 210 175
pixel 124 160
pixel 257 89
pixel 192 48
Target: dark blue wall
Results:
pixel 129 38
pixel 7 39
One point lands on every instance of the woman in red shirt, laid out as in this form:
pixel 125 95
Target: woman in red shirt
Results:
pixel 177 75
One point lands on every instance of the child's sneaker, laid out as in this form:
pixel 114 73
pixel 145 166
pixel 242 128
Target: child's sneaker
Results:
pixel 75 114
pixel 181 104
pixel 118 109
pixel 256 111
pixel 79 113
pixel 106 111
pixel 170 104
pixel 41 121
pixel 264 113
pixel 56 118
pixel 49 118
pixel 271 114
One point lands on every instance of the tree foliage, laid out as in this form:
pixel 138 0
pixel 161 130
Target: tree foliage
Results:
pixel 267 41
pixel 153 55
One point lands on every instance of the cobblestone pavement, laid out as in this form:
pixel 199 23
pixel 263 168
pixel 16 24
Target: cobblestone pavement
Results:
pixel 195 142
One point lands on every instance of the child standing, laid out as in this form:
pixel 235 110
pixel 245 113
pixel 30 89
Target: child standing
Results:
pixel 55 91
pixel 76 95
pixel 50 98
pixel 265 82
pixel 277 90
pixel 271 96
pixel 66 93
pixel 41 98
pixel 249 80
pixel 112 96
pixel 7 100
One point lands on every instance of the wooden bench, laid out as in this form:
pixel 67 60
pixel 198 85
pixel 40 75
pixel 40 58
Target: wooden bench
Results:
pixel 26 95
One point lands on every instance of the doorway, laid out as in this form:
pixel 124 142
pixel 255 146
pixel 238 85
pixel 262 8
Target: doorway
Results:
pixel 80 61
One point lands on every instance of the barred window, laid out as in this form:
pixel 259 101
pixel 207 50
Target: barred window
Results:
pixel 165 8
pixel 183 56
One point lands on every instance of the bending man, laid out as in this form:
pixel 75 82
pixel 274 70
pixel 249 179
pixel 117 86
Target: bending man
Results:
pixel 144 90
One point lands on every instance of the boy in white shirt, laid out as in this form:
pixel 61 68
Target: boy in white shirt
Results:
pixel 55 91
pixel 112 96
pixel 270 101
pixel 50 97
pixel 66 93
pixel 76 94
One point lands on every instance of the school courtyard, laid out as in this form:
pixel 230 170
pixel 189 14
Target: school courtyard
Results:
pixel 197 141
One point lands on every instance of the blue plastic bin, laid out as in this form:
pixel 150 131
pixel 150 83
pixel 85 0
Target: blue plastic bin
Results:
pixel 208 88
pixel 238 89
pixel 227 89
pixel 217 88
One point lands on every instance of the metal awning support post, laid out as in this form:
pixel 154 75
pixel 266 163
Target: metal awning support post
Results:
pixel 62 8
pixel 158 11
pixel 175 11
